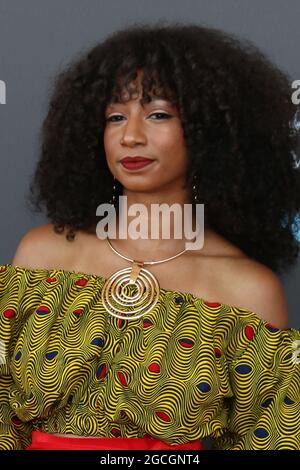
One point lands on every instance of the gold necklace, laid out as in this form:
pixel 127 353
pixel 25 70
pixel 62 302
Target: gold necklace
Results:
pixel 115 298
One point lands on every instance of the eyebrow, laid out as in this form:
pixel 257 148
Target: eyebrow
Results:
pixel 153 98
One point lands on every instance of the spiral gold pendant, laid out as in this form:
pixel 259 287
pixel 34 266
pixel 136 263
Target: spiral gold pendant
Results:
pixel 130 293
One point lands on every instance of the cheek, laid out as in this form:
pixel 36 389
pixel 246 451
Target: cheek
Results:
pixel 170 137
pixel 176 146
pixel 107 142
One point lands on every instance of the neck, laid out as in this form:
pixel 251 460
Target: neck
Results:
pixel 163 245
pixel 161 226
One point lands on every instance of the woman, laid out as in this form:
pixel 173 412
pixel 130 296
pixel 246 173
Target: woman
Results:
pixel 211 354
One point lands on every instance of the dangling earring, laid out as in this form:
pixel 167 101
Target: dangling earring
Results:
pixel 113 199
pixel 195 190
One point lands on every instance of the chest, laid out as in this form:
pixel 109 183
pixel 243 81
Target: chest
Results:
pixel 198 275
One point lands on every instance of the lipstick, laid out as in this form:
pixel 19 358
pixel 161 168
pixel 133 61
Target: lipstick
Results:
pixel 135 163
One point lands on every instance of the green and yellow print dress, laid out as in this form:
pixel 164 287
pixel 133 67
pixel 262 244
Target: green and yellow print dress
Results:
pixel 186 370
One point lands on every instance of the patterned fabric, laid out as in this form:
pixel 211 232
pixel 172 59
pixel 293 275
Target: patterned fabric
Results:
pixel 187 370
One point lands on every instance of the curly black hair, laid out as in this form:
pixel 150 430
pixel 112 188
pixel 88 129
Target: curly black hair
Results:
pixel 237 116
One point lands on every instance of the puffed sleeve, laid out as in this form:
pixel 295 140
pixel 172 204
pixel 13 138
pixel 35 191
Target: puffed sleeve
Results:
pixel 15 434
pixel 264 373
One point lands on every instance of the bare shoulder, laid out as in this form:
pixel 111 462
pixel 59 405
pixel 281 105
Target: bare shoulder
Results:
pixel 42 247
pixel 240 281
pixel 255 287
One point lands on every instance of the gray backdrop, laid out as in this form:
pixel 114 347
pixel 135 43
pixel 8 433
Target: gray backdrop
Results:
pixel 38 37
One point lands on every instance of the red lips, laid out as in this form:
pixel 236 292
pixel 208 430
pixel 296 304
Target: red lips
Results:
pixel 135 163
pixel 135 159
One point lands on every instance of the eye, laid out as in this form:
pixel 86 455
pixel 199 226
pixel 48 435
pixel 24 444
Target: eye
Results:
pixel 164 115
pixel 112 117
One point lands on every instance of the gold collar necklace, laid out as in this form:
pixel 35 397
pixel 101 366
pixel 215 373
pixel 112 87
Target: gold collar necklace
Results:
pixel 114 294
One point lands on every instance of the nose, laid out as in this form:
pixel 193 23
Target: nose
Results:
pixel 133 132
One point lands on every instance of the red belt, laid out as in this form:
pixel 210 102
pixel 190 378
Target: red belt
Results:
pixel 42 441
